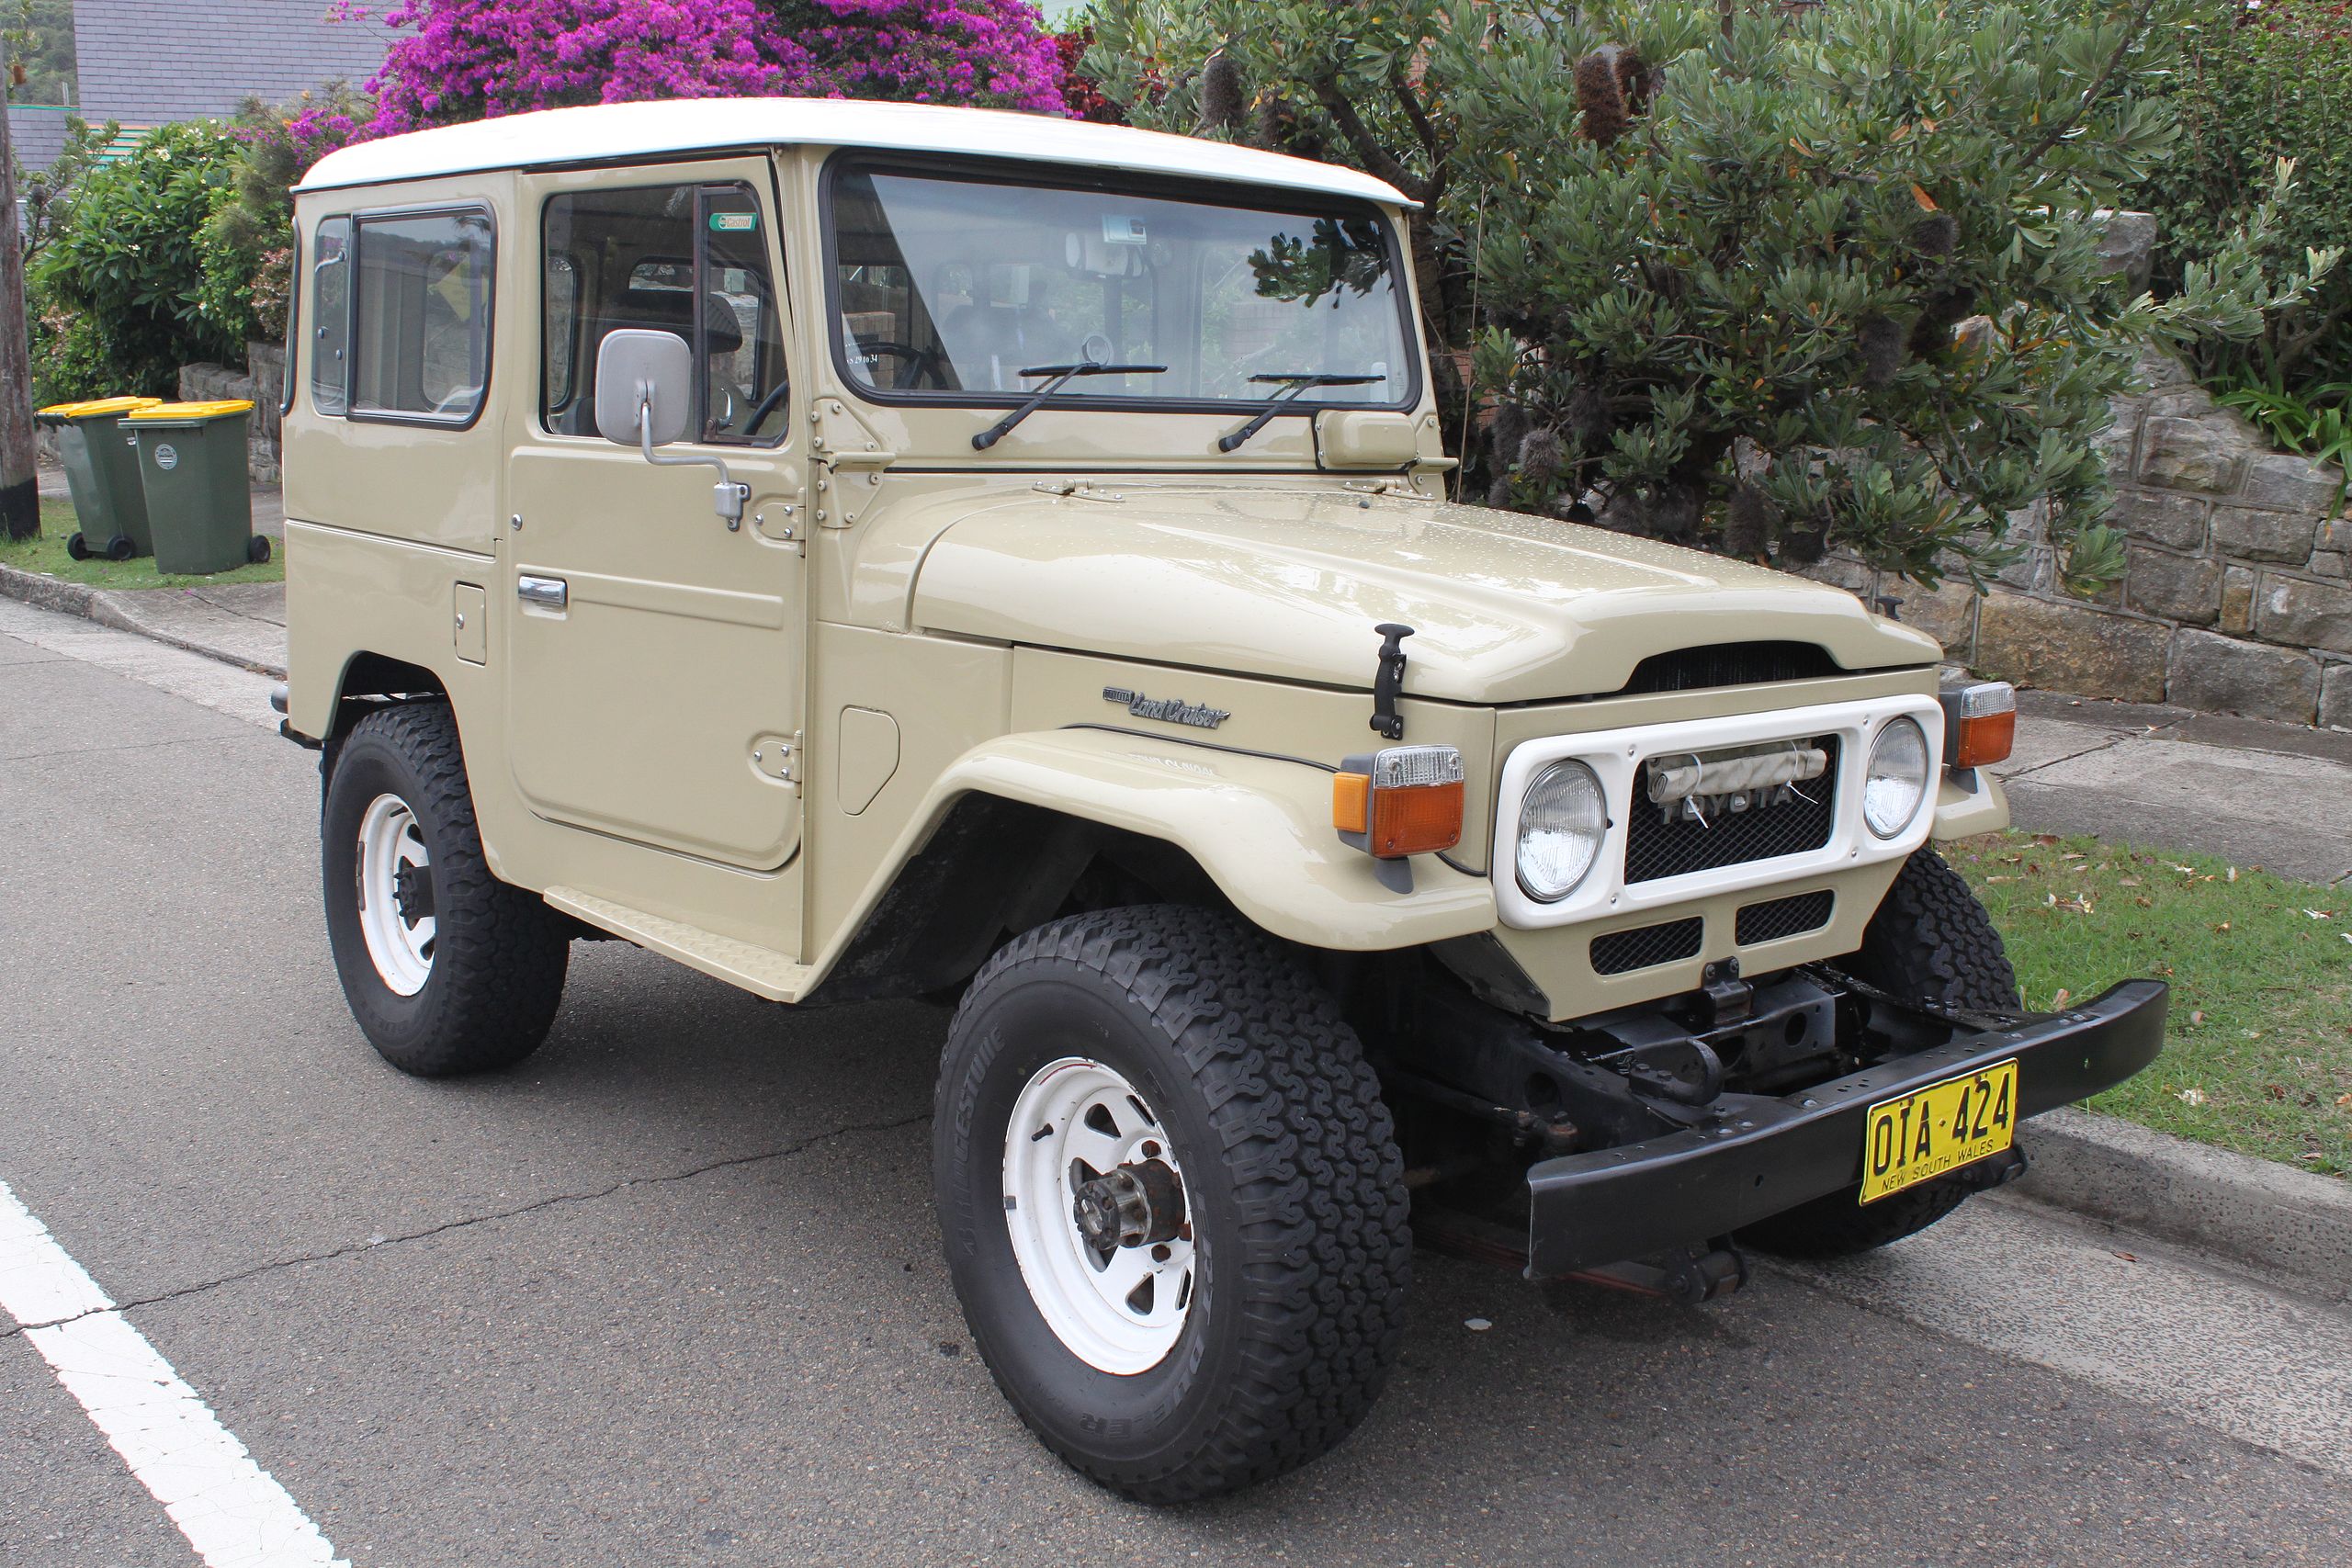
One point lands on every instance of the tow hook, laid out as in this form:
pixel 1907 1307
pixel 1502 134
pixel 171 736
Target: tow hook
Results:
pixel 1993 1170
pixel 1135 1205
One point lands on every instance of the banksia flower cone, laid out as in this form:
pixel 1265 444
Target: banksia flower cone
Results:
pixel 1225 102
pixel 1748 524
pixel 1600 99
pixel 1880 338
pixel 1934 235
pixel 1539 455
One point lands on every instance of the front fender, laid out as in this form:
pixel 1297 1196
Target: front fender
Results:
pixel 1260 826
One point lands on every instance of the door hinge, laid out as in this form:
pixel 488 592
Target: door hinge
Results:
pixel 779 757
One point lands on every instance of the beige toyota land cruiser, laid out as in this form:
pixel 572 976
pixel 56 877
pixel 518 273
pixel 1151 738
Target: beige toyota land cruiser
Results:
pixel 872 551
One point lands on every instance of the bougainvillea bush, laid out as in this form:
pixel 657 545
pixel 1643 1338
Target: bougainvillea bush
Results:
pixel 466 59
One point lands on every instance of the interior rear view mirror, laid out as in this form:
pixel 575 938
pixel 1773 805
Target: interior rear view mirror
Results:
pixel 642 372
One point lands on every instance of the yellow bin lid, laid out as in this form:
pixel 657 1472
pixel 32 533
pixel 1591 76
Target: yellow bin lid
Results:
pixel 192 410
pixel 97 406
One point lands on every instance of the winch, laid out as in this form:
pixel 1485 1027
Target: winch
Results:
pixel 1700 786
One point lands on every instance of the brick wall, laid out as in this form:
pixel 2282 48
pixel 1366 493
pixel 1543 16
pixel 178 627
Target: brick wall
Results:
pixel 2238 597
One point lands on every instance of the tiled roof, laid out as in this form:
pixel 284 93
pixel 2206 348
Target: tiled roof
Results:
pixel 35 132
pixel 138 61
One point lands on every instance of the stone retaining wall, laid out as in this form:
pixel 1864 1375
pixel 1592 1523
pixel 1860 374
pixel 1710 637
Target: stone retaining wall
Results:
pixel 2237 596
pixel 259 383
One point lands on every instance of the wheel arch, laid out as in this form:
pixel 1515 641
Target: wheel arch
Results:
pixel 368 680
pixel 1028 827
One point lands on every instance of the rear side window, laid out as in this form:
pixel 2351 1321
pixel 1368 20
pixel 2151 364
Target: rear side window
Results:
pixel 330 314
pixel 420 330
pixel 689 259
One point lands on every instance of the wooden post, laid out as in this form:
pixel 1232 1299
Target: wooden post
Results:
pixel 19 496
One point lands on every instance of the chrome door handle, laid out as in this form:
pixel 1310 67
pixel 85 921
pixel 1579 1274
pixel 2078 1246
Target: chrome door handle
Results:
pixel 550 592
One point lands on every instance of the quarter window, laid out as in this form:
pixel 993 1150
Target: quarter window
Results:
pixel 422 326
pixel 330 314
pixel 689 259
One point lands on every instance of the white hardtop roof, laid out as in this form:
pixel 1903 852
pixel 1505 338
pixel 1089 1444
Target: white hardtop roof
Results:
pixel 607 132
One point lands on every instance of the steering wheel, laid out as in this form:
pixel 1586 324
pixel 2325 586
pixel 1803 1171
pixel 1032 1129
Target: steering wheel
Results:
pixel 765 406
pixel 924 361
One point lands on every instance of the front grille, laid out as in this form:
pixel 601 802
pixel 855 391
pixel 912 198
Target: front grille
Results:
pixel 1730 664
pixel 1783 917
pixel 1656 847
pixel 1646 946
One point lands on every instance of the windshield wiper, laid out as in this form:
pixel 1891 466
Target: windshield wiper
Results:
pixel 1060 374
pixel 1293 383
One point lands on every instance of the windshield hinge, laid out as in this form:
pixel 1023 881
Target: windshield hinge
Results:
pixel 850 459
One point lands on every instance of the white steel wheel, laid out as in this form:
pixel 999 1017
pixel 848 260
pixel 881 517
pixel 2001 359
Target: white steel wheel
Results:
pixel 395 887
pixel 1099 1219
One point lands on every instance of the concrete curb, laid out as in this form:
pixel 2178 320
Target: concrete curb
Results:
pixel 108 610
pixel 2253 1211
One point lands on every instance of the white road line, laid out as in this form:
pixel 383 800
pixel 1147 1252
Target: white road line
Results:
pixel 233 1512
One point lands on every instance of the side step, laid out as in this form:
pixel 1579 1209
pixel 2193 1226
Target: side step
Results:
pixel 756 969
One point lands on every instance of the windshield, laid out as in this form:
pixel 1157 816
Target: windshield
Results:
pixel 948 287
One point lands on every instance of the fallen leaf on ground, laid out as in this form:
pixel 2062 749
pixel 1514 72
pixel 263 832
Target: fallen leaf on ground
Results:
pixel 2190 1097
pixel 2316 914
pixel 2233 874
pixel 2127 882
pixel 2197 1017
pixel 2343 1100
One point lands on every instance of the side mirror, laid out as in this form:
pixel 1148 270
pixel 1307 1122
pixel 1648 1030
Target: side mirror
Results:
pixel 639 372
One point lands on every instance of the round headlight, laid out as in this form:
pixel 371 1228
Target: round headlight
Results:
pixel 1560 825
pixel 1897 780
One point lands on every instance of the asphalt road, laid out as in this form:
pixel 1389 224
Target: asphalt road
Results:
pixel 671 1293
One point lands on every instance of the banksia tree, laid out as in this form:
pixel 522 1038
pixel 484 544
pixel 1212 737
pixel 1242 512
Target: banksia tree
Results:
pixel 1762 278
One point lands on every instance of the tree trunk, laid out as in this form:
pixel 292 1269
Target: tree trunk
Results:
pixel 20 498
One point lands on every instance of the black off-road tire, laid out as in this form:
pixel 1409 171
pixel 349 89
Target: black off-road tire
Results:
pixel 1302 1250
pixel 499 953
pixel 1930 940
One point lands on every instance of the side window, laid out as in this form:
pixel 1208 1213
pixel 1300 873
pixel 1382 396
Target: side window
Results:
pixel 421 328
pixel 330 314
pixel 687 259
pixel 560 321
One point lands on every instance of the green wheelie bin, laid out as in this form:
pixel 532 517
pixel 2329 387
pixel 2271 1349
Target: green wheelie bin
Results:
pixel 103 473
pixel 192 469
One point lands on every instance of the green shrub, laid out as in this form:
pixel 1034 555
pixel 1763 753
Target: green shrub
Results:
pixel 2254 86
pixel 118 292
pixel 1759 277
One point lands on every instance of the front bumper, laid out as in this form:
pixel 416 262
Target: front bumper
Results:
pixel 1762 1154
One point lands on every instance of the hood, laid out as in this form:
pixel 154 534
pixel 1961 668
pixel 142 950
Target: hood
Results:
pixel 1506 608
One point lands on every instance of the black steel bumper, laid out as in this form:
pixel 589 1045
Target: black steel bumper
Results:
pixel 1764 1155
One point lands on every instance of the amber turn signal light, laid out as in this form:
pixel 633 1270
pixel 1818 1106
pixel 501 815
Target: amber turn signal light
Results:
pixel 1404 801
pixel 1980 724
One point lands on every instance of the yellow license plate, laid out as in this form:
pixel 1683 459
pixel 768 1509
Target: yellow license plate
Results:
pixel 1918 1136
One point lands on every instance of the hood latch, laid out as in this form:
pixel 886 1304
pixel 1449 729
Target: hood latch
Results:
pixel 1388 682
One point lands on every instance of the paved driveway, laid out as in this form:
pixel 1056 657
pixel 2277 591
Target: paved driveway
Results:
pixel 671 1293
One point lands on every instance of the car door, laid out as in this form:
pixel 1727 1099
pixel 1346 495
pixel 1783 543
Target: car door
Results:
pixel 655 655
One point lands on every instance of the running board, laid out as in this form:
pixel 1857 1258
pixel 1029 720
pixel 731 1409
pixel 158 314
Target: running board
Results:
pixel 758 970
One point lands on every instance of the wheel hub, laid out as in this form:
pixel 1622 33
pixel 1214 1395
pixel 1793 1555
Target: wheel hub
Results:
pixel 412 892
pixel 1096 1209
pixel 1135 1205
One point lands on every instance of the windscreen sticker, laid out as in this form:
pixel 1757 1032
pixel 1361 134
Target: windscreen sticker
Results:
pixel 734 222
pixel 1119 231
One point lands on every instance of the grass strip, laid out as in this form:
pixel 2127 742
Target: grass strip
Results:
pixel 2258 1053
pixel 47 556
